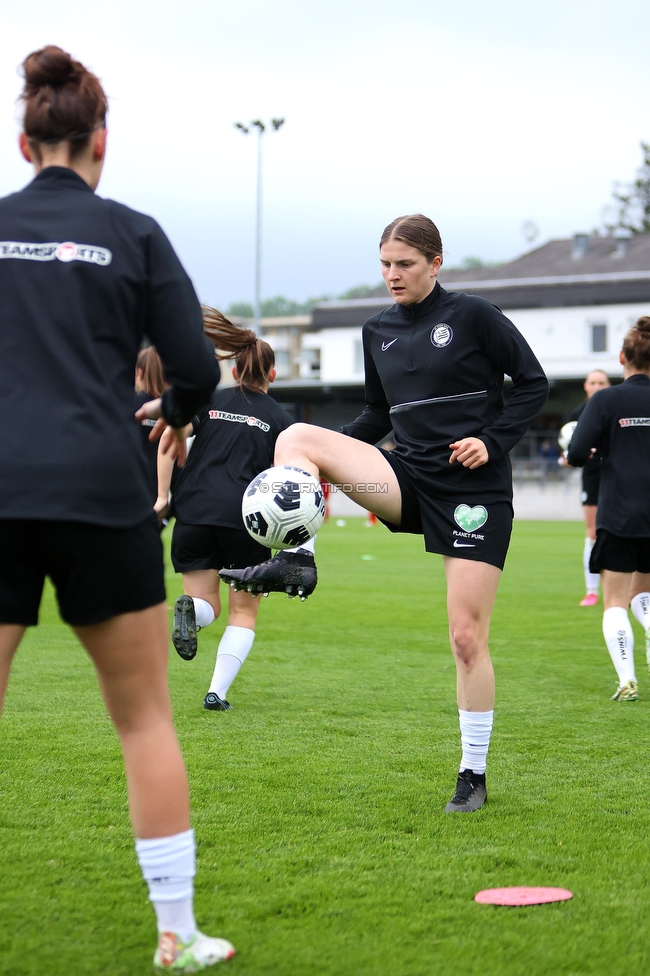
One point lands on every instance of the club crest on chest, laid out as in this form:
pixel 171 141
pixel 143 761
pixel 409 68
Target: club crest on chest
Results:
pixel 441 335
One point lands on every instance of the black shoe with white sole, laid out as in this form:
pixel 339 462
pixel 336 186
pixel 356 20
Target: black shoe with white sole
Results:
pixel 184 628
pixel 215 704
pixel 470 793
pixel 293 573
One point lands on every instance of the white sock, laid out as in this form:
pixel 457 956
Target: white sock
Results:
pixel 592 580
pixel 231 654
pixel 203 612
pixel 475 731
pixel 310 546
pixel 640 605
pixel 168 866
pixel 620 643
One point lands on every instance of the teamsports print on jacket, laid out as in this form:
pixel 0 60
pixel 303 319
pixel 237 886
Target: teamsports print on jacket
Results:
pixel 61 251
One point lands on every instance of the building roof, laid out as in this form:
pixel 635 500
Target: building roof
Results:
pixel 583 270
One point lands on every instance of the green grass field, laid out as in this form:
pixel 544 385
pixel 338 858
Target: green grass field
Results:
pixel 317 801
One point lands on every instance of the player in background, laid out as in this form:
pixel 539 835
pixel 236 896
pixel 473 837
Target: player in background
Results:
pixel 434 372
pixel 149 385
pixel 595 380
pixel 235 437
pixel 83 279
pixel 615 425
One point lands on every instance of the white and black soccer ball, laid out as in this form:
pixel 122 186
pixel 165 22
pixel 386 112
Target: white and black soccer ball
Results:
pixel 566 433
pixel 283 507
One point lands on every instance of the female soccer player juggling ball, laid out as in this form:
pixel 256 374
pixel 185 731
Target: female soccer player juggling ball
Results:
pixel 234 440
pixel 82 280
pixel 615 425
pixel 434 369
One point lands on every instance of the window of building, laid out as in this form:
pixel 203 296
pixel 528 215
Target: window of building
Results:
pixel 357 365
pixel 599 337
pixel 282 363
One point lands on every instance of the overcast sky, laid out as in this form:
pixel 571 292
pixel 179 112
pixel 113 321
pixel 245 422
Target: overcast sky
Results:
pixel 480 115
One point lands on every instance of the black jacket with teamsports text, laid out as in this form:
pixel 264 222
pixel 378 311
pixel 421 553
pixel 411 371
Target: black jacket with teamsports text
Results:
pixel 82 280
pixel 435 373
pixel 616 421
pixel 235 440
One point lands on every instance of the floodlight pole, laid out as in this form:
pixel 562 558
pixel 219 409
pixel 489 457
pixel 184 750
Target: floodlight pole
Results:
pixel 261 129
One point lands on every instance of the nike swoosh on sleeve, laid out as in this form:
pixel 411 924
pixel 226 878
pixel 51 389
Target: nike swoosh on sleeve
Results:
pixel 463 545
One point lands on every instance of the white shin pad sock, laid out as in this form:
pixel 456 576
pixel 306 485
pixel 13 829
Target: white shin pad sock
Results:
pixel 168 866
pixel 310 546
pixel 640 605
pixel 620 643
pixel 475 731
pixel 592 580
pixel 203 612
pixel 233 651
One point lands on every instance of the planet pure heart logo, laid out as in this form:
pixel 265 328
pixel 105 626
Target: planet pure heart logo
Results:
pixel 470 519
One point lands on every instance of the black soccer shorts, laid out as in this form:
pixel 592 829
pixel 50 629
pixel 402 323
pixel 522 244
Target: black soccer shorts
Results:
pixel 214 547
pixel 590 485
pixel 98 571
pixel 620 554
pixel 465 526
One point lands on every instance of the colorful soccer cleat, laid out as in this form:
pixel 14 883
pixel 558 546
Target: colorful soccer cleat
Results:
pixel 215 704
pixel 174 956
pixel 184 628
pixel 293 573
pixel 627 692
pixel 590 600
pixel 470 794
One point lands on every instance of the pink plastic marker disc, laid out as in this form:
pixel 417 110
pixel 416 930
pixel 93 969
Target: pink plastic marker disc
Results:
pixel 522 896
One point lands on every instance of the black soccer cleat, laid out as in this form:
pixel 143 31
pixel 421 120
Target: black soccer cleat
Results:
pixel 184 628
pixel 293 573
pixel 215 704
pixel 470 793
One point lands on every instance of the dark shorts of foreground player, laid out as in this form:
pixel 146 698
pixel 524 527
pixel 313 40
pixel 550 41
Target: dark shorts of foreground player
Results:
pixel 620 554
pixel 466 527
pixel 98 571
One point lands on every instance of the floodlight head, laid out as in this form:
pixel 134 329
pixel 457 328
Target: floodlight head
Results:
pixel 243 128
pixel 276 123
pixel 259 124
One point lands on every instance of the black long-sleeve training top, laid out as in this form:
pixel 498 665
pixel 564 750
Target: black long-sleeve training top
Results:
pixel 82 280
pixel 616 421
pixel 435 373
pixel 235 440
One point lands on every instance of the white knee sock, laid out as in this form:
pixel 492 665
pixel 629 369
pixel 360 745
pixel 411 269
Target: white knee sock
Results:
pixel 475 731
pixel 168 867
pixel 231 654
pixel 620 643
pixel 591 579
pixel 310 546
pixel 641 609
pixel 203 612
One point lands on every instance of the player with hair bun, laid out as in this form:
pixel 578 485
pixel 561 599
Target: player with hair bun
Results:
pixel 235 438
pixel 83 281
pixel 434 371
pixel 615 425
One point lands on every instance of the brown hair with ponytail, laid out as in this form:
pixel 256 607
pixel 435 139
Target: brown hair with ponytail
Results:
pixel 416 230
pixel 153 378
pixel 636 344
pixel 63 100
pixel 253 357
